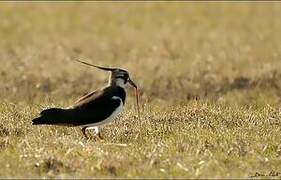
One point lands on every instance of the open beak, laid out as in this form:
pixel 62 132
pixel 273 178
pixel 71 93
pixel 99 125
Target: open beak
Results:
pixel 136 94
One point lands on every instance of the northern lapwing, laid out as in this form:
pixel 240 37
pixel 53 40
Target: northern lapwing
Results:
pixel 94 109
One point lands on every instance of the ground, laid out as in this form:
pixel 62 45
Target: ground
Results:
pixel 209 75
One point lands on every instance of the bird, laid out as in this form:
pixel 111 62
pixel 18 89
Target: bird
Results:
pixel 95 108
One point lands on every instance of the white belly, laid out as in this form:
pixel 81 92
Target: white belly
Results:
pixel 117 111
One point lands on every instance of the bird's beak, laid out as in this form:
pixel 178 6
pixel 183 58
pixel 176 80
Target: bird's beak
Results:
pixel 132 83
pixel 100 67
pixel 136 94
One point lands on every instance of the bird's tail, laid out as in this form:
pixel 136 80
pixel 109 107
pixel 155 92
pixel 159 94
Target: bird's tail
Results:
pixel 52 116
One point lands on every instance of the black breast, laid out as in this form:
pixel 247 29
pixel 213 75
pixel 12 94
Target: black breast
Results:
pixel 120 92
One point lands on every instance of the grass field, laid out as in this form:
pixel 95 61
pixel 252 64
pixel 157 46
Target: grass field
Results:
pixel 210 80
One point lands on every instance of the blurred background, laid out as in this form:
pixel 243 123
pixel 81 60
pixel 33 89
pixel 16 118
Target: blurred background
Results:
pixel 225 52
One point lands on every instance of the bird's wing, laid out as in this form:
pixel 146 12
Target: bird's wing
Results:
pixel 88 97
pixel 88 113
pixel 90 109
pixel 94 107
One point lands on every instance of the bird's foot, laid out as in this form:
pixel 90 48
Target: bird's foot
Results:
pixel 100 137
pixel 84 132
pixel 96 136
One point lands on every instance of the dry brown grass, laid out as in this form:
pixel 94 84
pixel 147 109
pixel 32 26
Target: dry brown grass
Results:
pixel 209 74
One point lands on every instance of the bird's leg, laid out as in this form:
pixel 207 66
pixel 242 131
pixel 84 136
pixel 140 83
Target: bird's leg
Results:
pixel 84 132
pixel 97 132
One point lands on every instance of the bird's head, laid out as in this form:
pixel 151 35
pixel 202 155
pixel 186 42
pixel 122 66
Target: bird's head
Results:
pixel 118 77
